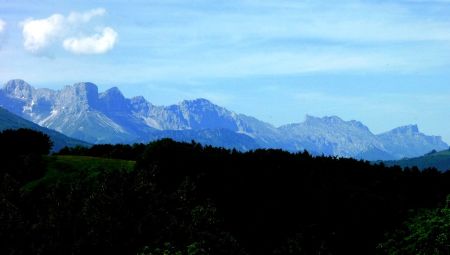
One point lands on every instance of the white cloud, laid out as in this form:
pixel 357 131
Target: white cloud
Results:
pixel 2 32
pixel 76 17
pixel 2 26
pixel 95 44
pixel 41 34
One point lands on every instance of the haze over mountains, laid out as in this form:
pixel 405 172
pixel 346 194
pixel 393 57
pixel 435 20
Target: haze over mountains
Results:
pixel 80 111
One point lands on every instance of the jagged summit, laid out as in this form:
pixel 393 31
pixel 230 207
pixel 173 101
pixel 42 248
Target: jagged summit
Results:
pixel 85 85
pixel 87 88
pixel 140 105
pixel 197 101
pixel 203 114
pixel 18 88
pixel 78 97
pixel 113 100
pixel 333 120
pixel 408 129
pixel 16 83
pixel 113 92
pixel 326 120
pixel 139 99
pixel 310 118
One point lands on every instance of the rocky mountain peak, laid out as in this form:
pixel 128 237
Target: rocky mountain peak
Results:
pixel 140 104
pixel 113 100
pixel 204 107
pixel 113 93
pixel 139 100
pixel 197 103
pixel 88 89
pixel 359 125
pixel 408 129
pixel 331 121
pixel 202 113
pixel 18 88
pixel 80 95
pixel 201 101
pixel 324 120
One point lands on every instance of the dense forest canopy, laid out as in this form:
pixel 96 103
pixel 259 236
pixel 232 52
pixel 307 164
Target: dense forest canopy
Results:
pixel 185 198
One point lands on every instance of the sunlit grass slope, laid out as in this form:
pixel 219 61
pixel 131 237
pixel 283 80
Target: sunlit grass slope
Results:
pixel 63 168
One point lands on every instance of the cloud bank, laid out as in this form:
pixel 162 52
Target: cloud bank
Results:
pixel 2 26
pixel 2 32
pixel 41 34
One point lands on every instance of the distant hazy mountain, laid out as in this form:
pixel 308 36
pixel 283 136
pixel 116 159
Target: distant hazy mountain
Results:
pixel 408 142
pixel 82 112
pixel 215 137
pixel 333 136
pixel 9 120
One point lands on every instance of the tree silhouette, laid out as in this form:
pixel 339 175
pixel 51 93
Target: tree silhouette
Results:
pixel 24 141
pixel 21 153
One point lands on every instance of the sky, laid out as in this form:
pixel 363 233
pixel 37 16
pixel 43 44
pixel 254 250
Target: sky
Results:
pixel 384 63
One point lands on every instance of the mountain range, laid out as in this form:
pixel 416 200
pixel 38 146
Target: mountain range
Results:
pixel 81 112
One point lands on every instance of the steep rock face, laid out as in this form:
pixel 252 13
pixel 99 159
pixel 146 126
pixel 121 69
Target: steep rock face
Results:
pixel 76 112
pixel 114 105
pixel 408 141
pixel 77 98
pixel 112 101
pixel 189 114
pixel 202 114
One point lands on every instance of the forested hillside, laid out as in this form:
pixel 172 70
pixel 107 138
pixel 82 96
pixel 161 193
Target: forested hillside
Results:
pixel 438 159
pixel 184 198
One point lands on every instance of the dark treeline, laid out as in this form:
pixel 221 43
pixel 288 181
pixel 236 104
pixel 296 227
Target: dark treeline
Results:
pixel 117 151
pixel 184 198
pixel 20 154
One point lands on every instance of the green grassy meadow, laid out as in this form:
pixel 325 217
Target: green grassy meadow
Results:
pixel 61 168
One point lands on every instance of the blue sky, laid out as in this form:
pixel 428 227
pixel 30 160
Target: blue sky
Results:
pixel 385 63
